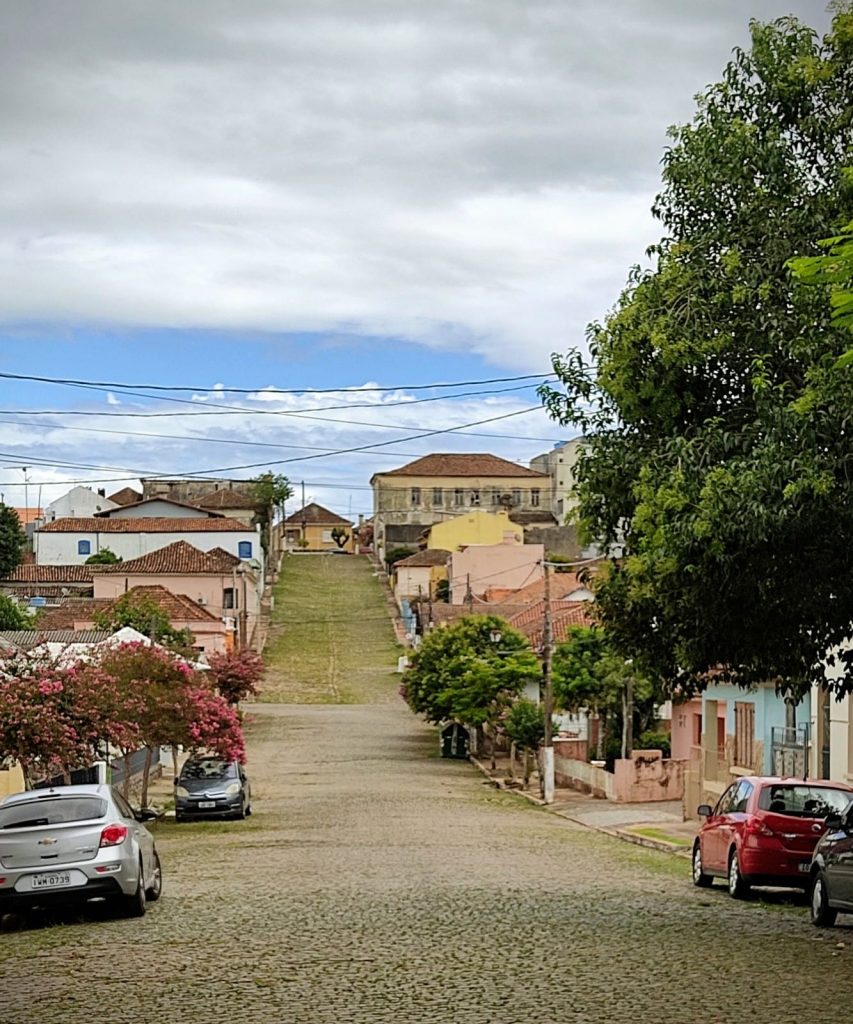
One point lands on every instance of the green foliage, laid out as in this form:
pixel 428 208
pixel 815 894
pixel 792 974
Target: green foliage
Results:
pixel 143 614
pixel 12 616
pixel 396 554
pixel 442 590
pixel 270 491
pixel 717 427
pixel 103 557
pixel 340 536
pixel 12 540
pixel 524 724
pixel 461 673
pixel 651 740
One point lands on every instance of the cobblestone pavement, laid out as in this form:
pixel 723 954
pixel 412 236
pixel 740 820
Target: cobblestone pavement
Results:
pixel 377 883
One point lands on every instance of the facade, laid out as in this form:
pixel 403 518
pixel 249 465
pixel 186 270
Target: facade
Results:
pixel 831 731
pixel 420 573
pixel 475 527
pixel 79 501
pixel 165 508
pixel 559 464
pixel 215 580
pixel 439 487
pixel 71 541
pixel 477 568
pixel 310 529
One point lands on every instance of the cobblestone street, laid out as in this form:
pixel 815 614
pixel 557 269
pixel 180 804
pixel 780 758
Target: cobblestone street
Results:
pixel 377 883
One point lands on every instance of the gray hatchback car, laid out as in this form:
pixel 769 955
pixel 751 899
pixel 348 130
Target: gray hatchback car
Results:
pixel 72 844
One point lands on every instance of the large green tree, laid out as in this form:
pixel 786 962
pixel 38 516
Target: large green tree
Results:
pixel 270 492
pixel 713 465
pixel 12 540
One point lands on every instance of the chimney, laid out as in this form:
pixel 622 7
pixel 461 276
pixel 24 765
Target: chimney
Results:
pixel 102 492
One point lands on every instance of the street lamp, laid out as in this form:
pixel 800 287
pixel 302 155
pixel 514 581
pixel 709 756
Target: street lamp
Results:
pixel 495 636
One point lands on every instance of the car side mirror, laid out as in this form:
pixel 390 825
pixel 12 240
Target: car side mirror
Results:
pixel 834 822
pixel 177 780
pixel 146 814
pixel 704 810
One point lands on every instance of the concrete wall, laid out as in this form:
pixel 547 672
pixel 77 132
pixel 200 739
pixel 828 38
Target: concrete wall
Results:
pixel 318 536
pixel 61 548
pixel 840 721
pixel 11 781
pixel 687 727
pixel 585 777
pixel 494 565
pixel 79 501
pixel 159 507
pixel 646 776
pixel 412 581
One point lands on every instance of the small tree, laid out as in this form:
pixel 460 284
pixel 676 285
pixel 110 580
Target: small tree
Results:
pixel 12 540
pixel 340 537
pixel 103 557
pixel 142 613
pixel 12 616
pixel 236 674
pixel 270 492
pixel 525 727
pixel 397 554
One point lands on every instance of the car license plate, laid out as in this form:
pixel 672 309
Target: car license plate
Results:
pixel 804 867
pixel 54 880
pixel 204 804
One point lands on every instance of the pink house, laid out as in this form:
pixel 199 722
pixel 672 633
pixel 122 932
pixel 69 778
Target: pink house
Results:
pixel 484 566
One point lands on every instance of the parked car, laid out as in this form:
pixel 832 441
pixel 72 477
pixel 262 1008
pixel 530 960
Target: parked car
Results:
pixel 209 787
pixel 73 844
pixel 763 831
pixel 832 870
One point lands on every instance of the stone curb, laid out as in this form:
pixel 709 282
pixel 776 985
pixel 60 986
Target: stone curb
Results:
pixel 615 833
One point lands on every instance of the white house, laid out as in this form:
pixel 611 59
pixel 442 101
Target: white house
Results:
pixel 79 501
pixel 70 541
pixel 166 508
pixel 831 732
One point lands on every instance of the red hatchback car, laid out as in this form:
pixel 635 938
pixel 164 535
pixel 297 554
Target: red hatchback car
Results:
pixel 763 831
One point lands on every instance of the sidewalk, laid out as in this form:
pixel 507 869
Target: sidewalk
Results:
pixel 657 825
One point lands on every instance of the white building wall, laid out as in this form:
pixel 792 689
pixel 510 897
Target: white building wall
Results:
pixel 61 548
pixel 157 509
pixel 839 733
pixel 79 501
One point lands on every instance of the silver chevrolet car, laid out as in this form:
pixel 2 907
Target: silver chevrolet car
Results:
pixel 72 844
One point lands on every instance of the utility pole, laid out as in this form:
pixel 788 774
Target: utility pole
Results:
pixel 304 520
pixel 628 715
pixel 548 695
pixel 469 594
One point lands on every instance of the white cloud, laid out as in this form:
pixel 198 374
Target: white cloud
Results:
pixel 474 174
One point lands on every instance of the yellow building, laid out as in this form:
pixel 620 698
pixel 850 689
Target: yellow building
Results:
pixel 11 781
pixel 315 528
pixel 475 527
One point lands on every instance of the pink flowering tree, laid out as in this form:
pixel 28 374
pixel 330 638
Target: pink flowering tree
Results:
pixel 236 674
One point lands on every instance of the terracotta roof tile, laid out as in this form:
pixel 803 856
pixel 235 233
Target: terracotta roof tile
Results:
pixel 110 513
pixel 126 496
pixel 180 557
pixel 474 464
pixel 225 497
pixel 315 515
pixel 144 524
pixel 562 584
pixel 51 574
pixel 422 559
pixel 564 615
pixel 26 639
pixel 78 610
pixel 178 607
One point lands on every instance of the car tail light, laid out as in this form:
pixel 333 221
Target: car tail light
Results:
pixel 758 828
pixel 113 835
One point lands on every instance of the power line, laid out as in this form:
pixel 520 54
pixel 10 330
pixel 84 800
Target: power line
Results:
pixel 115 386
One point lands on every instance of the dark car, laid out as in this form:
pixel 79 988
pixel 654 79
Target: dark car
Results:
pixel 832 870
pixel 209 787
pixel 763 831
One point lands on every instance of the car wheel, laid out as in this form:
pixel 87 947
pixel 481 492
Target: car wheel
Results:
pixel 155 890
pixel 135 905
pixel 738 886
pixel 179 819
pixel 699 876
pixel 822 915
pixel 249 811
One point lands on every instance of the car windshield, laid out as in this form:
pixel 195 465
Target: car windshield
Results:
pixel 209 769
pixel 52 811
pixel 803 801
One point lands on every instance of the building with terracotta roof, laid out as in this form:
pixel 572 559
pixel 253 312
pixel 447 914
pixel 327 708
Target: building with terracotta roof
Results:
pixel 125 496
pixel 419 574
pixel 72 540
pixel 437 487
pixel 215 580
pixel 79 501
pixel 311 528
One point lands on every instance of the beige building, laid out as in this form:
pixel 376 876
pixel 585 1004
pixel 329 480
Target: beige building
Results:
pixel 314 528
pixel 559 464
pixel 419 575
pixel 440 487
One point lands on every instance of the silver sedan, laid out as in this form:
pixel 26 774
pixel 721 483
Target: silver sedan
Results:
pixel 72 844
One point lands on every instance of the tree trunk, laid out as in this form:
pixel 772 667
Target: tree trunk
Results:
pixel 527 767
pixel 175 762
pixel 512 760
pixel 25 771
pixel 125 782
pixel 493 736
pixel 146 774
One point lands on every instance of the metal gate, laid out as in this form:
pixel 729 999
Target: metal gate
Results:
pixel 790 751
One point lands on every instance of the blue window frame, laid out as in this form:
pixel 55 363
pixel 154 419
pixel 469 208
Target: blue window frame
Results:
pixel 244 549
pixel 84 547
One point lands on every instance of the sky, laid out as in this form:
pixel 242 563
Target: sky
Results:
pixel 278 194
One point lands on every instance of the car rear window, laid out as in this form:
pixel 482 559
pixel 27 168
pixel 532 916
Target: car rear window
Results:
pixel 209 769
pixel 803 801
pixel 52 811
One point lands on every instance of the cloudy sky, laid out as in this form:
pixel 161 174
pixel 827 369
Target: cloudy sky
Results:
pixel 271 193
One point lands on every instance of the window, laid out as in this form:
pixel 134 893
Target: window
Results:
pixel 327 537
pixel 244 549
pixel 475 497
pixel 43 810
pixel 726 802
pixel 229 598
pixel 123 805
pixel 496 496
pixel 534 497
pixel 742 795
pixel 458 496
pixel 744 733
pixel 516 496
pixel 437 496
pixel 803 801
pixel 416 495
pixel 84 547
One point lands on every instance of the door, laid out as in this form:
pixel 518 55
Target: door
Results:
pixel 715 835
pixel 144 840
pixel 839 863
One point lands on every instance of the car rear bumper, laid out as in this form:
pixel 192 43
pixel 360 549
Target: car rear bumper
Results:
pixel 222 809
pixel 95 888
pixel 770 868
